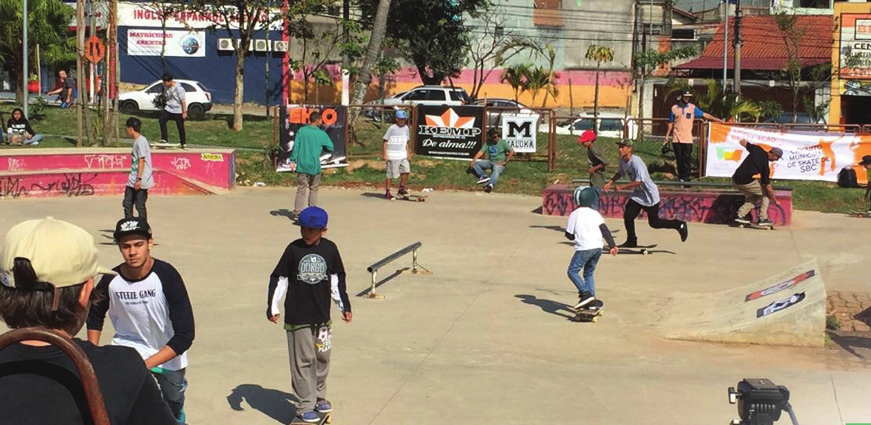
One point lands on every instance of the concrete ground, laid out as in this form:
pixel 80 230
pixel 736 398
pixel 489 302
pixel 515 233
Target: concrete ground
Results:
pixel 485 339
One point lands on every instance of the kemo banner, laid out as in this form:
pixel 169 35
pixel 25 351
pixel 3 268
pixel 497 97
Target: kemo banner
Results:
pixel 806 155
pixel 293 117
pixel 454 132
pixel 519 130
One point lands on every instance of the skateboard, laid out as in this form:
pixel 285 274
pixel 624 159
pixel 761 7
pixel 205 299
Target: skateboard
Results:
pixel 590 313
pixel 326 418
pixel 642 249
pixel 411 197
pixel 752 225
pixel 860 214
pixel 166 145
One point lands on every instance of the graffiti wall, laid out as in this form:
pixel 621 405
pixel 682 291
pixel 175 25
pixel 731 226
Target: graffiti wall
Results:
pixel 703 207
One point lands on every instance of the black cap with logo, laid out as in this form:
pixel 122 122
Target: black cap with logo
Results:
pixel 132 226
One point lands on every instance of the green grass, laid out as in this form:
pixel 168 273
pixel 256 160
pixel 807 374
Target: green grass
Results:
pixel 366 167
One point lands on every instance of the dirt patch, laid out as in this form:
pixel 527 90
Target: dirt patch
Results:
pixel 360 163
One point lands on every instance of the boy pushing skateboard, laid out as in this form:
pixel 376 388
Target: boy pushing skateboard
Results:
pixel 587 228
pixel 310 272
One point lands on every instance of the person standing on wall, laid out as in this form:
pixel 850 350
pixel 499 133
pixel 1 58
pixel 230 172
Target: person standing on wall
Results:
pixel 305 160
pixel 174 108
pixel 680 123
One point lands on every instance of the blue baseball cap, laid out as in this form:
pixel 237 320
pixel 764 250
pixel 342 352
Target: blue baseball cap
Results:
pixel 401 114
pixel 313 217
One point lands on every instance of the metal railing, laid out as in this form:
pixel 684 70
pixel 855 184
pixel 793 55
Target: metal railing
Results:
pixel 415 268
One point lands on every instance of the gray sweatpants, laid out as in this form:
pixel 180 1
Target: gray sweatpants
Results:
pixel 306 187
pixel 309 350
pixel 753 193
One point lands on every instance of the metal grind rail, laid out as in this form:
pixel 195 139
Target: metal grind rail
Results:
pixel 415 268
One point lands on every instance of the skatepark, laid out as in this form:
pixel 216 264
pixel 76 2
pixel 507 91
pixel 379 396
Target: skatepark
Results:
pixel 486 338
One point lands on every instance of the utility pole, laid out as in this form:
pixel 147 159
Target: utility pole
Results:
pixel 346 61
pixel 736 46
pixel 725 42
pixel 26 77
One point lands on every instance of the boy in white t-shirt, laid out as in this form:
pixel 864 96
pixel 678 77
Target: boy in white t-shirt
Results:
pixel 396 154
pixel 587 228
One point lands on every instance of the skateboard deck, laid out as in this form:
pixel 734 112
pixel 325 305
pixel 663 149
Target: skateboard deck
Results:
pixel 860 214
pixel 326 418
pixel 753 226
pixel 587 314
pixel 411 197
pixel 166 146
pixel 642 249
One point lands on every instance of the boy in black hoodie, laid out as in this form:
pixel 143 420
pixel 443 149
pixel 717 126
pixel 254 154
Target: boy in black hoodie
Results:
pixel 310 272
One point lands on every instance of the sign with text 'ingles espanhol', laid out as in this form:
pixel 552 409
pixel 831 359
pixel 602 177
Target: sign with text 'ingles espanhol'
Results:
pixel 293 117
pixel 454 132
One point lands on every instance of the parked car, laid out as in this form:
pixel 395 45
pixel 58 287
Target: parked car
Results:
pixel 421 95
pixel 197 96
pixel 610 125
pixel 500 107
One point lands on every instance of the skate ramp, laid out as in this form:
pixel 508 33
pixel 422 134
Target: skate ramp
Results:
pixel 787 309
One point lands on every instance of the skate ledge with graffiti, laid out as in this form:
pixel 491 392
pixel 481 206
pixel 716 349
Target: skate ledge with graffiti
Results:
pixel 104 171
pixel 706 206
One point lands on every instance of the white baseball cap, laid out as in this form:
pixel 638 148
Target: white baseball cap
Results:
pixel 60 253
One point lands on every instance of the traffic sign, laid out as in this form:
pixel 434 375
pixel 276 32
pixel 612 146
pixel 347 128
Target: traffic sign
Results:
pixel 95 50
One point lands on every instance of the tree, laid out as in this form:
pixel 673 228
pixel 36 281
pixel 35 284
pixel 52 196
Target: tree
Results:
pixel 379 28
pixel 791 33
pixel 430 34
pixel 319 49
pixel 248 17
pixel 550 81
pixel 515 76
pixel 725 106
pixel 599 54
pixel 537 79
pixel 494 47
pixel 648 61
pixel 48 27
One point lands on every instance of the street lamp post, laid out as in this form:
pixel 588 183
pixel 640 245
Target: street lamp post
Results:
pixel 725 41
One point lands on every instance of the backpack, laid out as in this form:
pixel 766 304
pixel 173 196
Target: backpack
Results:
pixel 847 178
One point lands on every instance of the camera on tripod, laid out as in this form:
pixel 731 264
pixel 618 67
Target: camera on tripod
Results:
pixel 760 402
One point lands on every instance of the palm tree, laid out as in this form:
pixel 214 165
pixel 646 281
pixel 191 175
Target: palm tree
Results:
pixel 599 54
pixel 538 78
pixel 515 76
pixel 715 102
pixel 48 22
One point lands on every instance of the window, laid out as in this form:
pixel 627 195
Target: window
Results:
pixel 188 88
pixel 436 95
pixel 156 88
pixel 813 4
pixel 459 95
pixel 610 124
pixel 547 13
pixel 417 95
pixel 583 124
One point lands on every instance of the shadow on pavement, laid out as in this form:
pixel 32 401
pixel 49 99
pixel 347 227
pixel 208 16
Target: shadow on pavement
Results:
pixel 276 404
pixel 282 213
pixel 372 195
pixel 552 307
pixel 378 284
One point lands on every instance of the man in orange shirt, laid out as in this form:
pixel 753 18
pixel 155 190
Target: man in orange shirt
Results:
pixel 680 120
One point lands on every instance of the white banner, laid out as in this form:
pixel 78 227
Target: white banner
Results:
pixel 806 155
pixel 149 15
pixel 519 130
pixel 149 42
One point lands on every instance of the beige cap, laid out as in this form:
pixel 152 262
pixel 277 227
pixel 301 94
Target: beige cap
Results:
pixel 61 253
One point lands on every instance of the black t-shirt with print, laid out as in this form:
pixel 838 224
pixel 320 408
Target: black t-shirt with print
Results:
pixel 755 163
pixel 40 385
pixel 306 272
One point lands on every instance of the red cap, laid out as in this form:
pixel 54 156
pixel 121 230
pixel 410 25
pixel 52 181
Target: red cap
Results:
pixel 587 136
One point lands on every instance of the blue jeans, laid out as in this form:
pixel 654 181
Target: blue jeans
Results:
pixel 33 140
pixel 172 385
pixel 595 204
pixel 486 164
pixel 587 261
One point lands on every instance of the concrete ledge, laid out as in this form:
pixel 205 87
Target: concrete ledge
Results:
pixel 787 309
pixel 703 206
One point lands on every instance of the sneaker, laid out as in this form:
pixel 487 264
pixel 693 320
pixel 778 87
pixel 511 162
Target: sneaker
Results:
pixel 743 220
pixel 183 146
pixel 684 231
pixel 488 188
pixel 162 141
pixel 310 416
pixel 628 244
pixel 323 406
pixel 402 191
pixel 483 179
pixel 765 223
pixel 388 196
pixel 584 299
